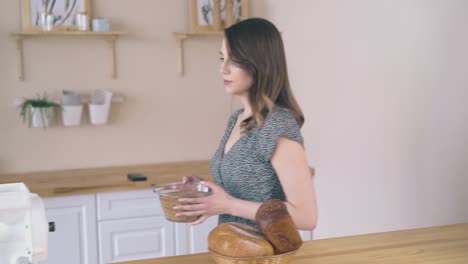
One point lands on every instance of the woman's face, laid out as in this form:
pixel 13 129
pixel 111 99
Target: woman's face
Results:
pixel 236 80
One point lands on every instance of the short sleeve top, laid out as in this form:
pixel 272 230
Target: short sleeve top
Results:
pixel 245 171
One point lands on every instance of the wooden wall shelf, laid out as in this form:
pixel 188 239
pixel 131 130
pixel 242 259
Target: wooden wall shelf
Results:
pixel 111 36
pixel 85 100
pixel 180 37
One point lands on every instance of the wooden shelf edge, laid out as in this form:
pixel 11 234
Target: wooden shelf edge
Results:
pixel 85 100
pixel 68 33
pixel 190 34
pixel 112 36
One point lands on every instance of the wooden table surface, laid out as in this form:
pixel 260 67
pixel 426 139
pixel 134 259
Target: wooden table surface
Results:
pixel 433 245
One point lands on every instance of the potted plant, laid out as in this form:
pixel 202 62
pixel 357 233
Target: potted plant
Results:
pixel 39 112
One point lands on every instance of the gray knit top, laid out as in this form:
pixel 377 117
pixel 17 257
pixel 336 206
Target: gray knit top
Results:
pixel 245 172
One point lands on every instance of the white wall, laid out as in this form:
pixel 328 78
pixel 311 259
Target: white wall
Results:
pixel 384 87
pixel 163 112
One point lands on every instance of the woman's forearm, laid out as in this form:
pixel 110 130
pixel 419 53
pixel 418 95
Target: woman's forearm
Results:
pixel 242 208
pixel 304 218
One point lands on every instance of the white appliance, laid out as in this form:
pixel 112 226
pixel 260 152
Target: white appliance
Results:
pixel 23 225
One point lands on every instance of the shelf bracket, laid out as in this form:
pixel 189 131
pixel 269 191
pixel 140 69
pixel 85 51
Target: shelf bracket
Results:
pixel 19 57
pixel 180 37
pixel 180 53
pixel 112 39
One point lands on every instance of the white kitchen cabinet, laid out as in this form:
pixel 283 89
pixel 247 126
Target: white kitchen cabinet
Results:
pixel 132 226
pixel 119 205
pixel 306 235
pixel 75 238
pixel 136 238
pixel 194 239
pixel 113 227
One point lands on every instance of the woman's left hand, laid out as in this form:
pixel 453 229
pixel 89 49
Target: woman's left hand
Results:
pixel 217 203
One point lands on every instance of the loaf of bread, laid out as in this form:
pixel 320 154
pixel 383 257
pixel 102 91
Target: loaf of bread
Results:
pixel 239 240
pixel 277 225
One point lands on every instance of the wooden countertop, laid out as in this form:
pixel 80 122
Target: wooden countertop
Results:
pixel 81 181
pixel 434 245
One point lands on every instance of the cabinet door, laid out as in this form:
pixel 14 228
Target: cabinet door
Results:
pixel 75 236
pixel 118 205
pixel 135 238
pixel 194 239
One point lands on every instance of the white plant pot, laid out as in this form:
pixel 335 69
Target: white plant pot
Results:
pixel 71 114
pixel 41 116
pixel 70 98
pixel 99 107
pixel 98 114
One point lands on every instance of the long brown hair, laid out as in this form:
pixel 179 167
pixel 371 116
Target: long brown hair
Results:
pixel 255 45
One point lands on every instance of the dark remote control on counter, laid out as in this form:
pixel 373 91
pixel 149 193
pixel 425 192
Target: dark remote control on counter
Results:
pixel 136 177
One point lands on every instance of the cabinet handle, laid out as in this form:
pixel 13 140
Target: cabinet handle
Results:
pixel 51 226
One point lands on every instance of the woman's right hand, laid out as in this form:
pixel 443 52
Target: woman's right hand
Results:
pixel 219 202
pixel 191 179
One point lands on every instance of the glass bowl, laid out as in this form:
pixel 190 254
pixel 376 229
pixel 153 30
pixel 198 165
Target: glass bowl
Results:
pixel 170 193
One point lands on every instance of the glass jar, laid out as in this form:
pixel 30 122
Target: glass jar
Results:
pixel 46 21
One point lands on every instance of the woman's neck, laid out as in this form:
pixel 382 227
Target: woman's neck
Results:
pixel 247 108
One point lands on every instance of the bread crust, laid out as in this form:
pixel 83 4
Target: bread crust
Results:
pixel 277 225
pixel 239 240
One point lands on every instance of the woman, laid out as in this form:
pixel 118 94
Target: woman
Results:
pixel 261 155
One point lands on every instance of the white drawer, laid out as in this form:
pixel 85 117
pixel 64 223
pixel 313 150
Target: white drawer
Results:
pixel 134 239
pixel 128 204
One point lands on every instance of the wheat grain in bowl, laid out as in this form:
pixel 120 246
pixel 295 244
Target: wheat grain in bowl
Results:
pixel 170 193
